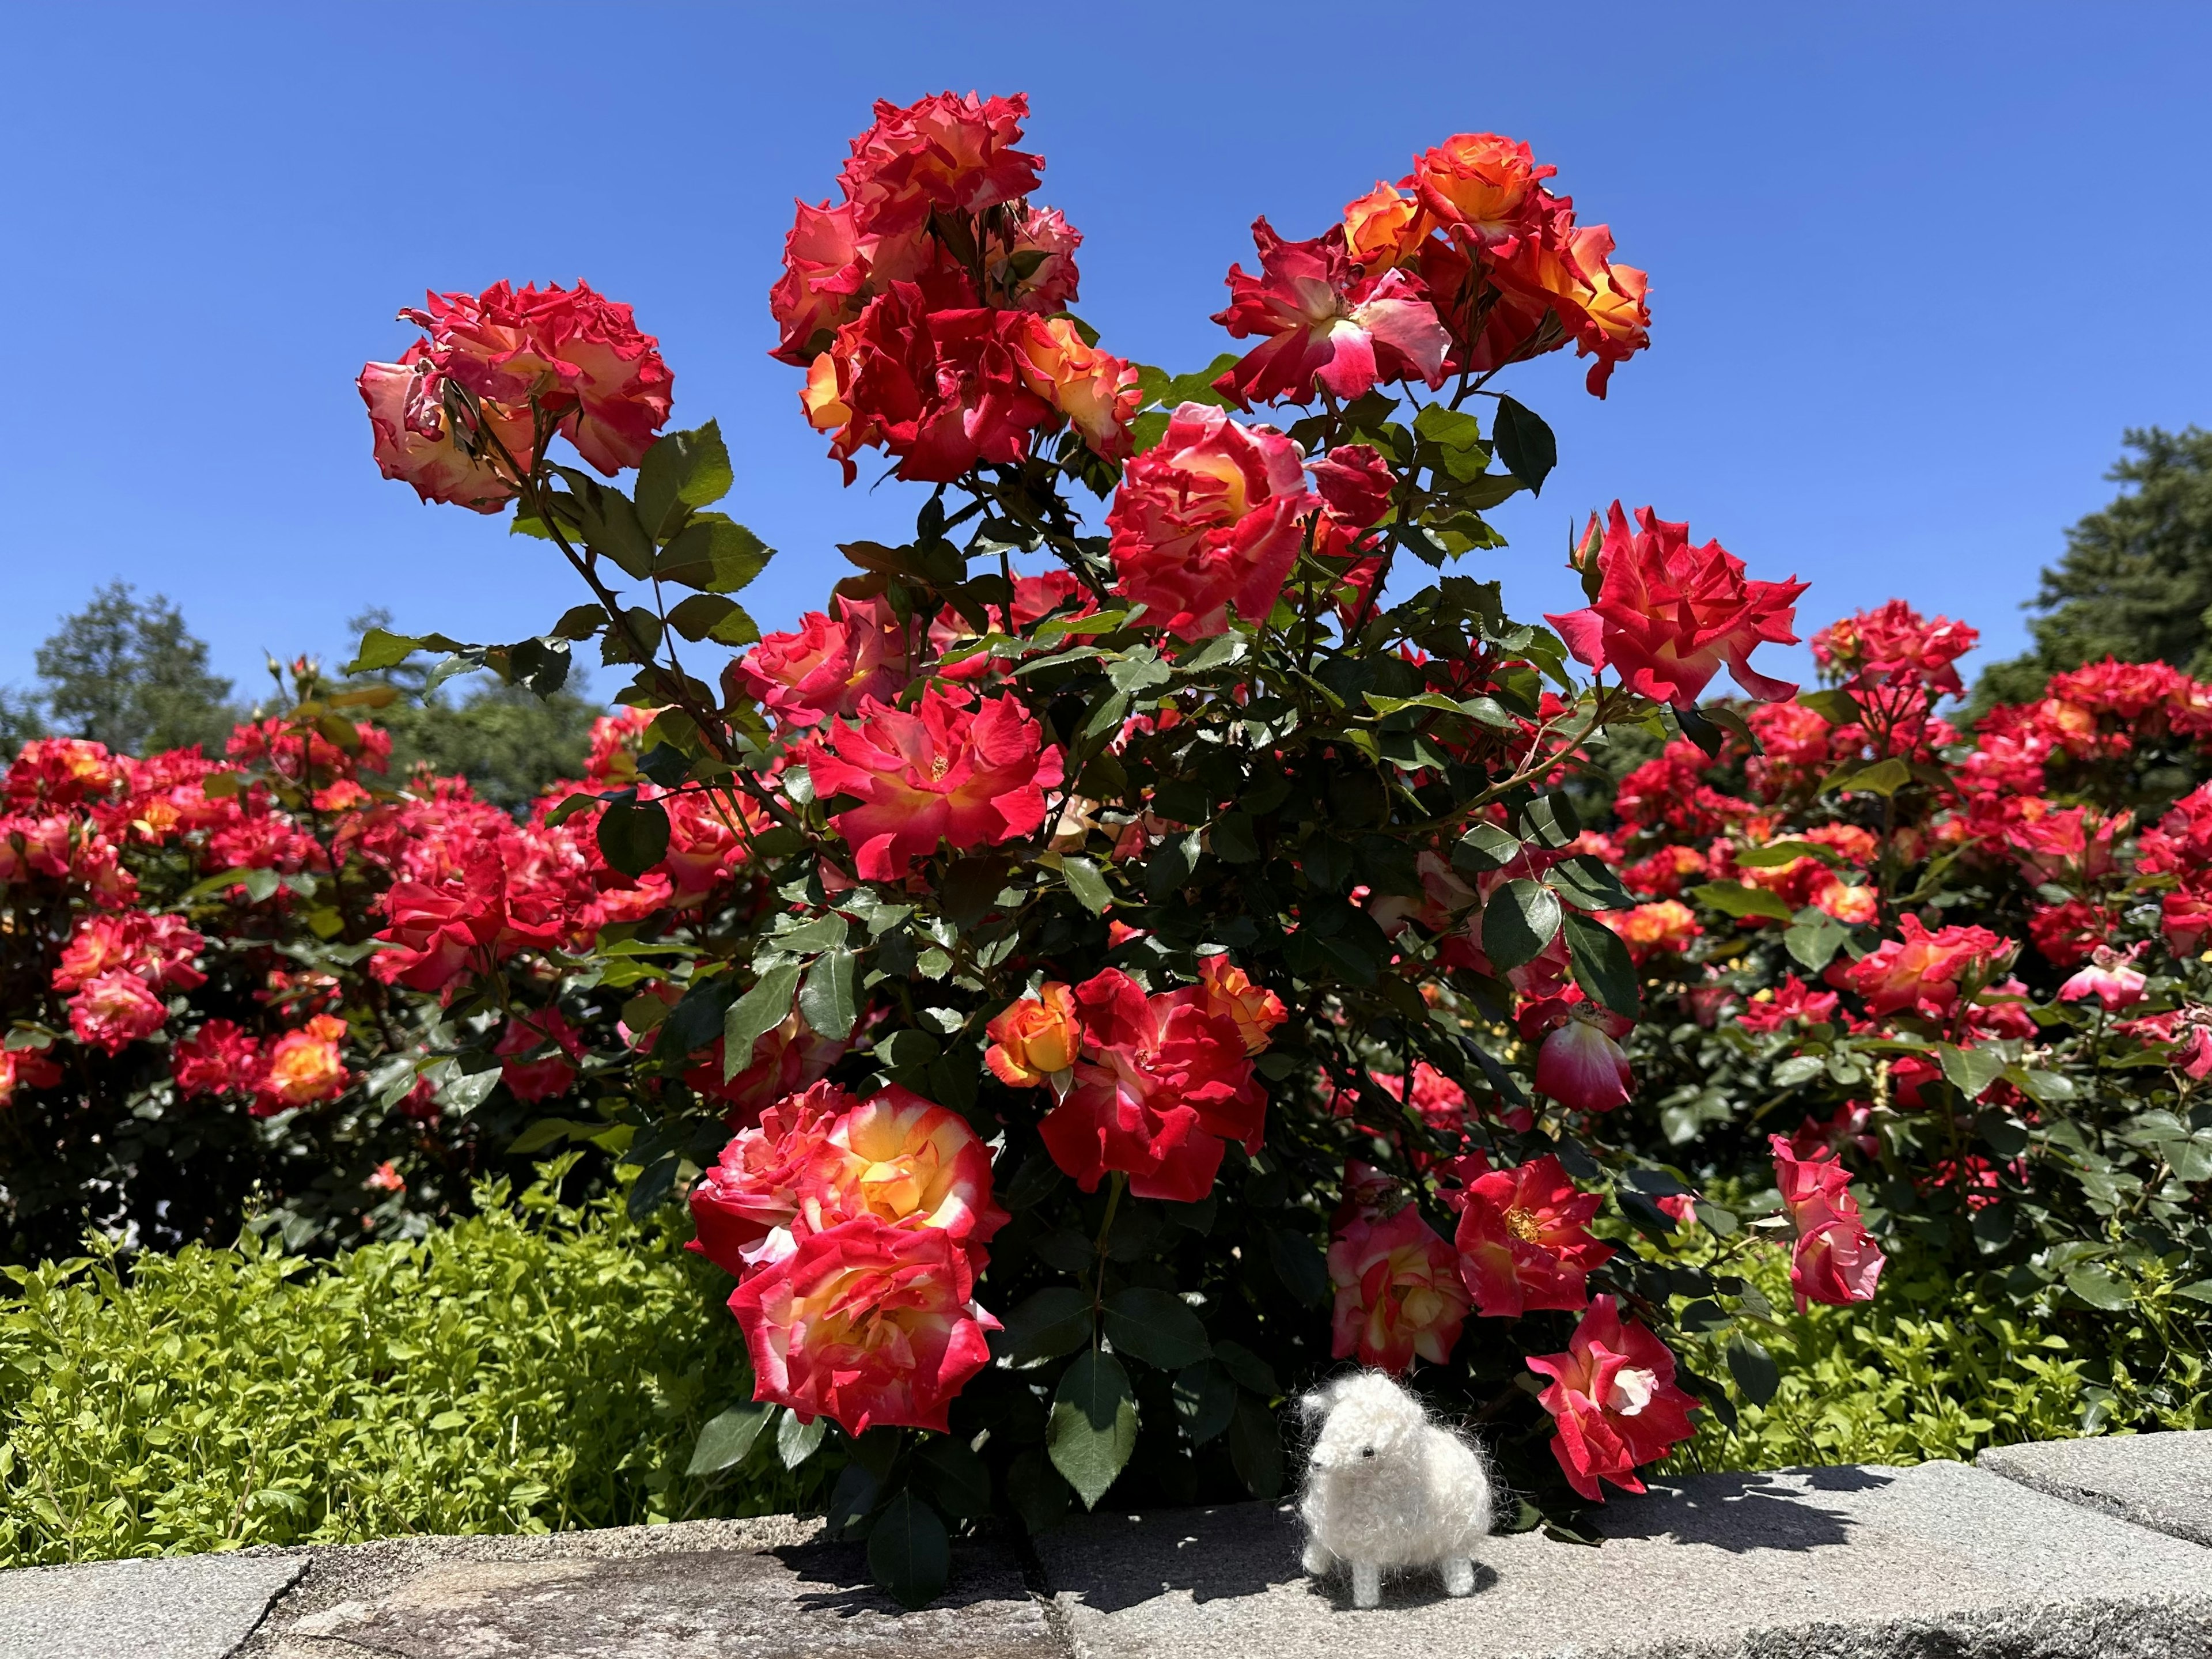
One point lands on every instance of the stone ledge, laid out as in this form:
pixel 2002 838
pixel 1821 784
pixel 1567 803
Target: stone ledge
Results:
pixel 1940 1560
pixel 1814 1564
pixel 199 1607
pixel 699 1590
pixel 2163 1482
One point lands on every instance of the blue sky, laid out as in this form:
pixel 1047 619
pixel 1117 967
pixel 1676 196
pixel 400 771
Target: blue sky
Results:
pixel 1913 268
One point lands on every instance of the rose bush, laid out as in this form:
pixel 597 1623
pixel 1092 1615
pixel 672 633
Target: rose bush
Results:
pixel 1223 913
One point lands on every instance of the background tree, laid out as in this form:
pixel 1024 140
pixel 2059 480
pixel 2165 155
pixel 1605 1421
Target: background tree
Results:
pixel 2136 581
pixel 510 743
pixel 127 672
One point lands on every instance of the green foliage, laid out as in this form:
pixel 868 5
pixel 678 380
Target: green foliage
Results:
pixel 535 1367
pixel 127 672
pixel 511 743
pixel 2135 580
pixel 1928 1369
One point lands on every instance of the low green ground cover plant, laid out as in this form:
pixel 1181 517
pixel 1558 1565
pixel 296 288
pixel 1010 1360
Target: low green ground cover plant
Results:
pixel 534 1367
pixel 1924 1372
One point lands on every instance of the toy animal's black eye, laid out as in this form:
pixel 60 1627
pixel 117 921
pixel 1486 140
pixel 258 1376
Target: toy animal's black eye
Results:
pixel 1367 1451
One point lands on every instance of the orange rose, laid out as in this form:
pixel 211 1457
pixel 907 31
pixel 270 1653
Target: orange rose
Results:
pixel 1036 1039
pixel 1229 992
pixel 305 1067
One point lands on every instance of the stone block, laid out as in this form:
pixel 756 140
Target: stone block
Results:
pixel 2163 1482
pixel 765 1589
pixel 167 1607
pixel 1820 1563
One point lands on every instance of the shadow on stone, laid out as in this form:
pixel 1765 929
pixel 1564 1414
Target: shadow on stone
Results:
pixel 1737 1513
pixel 834 1579
pixel 1115 1562
pixel 1415 1587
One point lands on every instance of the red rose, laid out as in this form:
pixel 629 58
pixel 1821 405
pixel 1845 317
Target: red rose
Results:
pixel 1325 325
pixel 1524 1241
pixel 1213 513
pixel 415 442
pixel 754 1187
pixel 1161 1084
pixel 551 1073
pixel 1835 1261
pixel 973 774
pixel 217 1059
pixel 1397 1294
pixel 114 1009
pixel 867 1324
pixel 158 948
pixel 1582 1065
pixel 1669 615
pixel 1614 1399
pixel 25 1068
pixel 942 152
pixel 1919 971
pixel 575 353
pixel 304 1066
pixel 832 663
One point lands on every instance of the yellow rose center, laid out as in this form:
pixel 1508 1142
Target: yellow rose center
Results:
pixel 1524 1227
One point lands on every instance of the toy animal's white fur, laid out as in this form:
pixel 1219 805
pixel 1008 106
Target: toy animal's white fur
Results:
pixel 1386 1489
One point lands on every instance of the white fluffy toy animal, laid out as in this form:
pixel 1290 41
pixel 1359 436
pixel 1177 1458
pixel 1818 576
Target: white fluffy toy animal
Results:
pixel 1387 1489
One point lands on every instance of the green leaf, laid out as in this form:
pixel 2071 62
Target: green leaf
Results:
pixel 1035 1489
pixel 909 1553
pixel 544 1133
pixel 1205 1398
pixel 755 1014
pixel 1049 1324
pixel 1088 887
pixel 380 649
pixel 1602 965
pixel 682 468
pixel 1093 1426
pixel 2097 1287
pixel 1586 881
pixel 1814 940
pixel 1753 1369
pixel 700 614
pixel 1520 920
pixel 1734 899
pixel 1255 1447
pixel 1157 1327
pixel 726 1439
pixel 1248 1368
pixel 1303 1269
pixel 1838 708
pixel 825 1001
pixel 714 554
pixel 796 1442
pixel 1233 840
pixel 634 835
pixel 609 524
pixel 1484 848
pixel 1970 1070
pixel 957 1478
pixel 1884 777
pixel 1777 852
pixel 1525 443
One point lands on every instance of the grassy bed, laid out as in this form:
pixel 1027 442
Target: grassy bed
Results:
pixel 533 1368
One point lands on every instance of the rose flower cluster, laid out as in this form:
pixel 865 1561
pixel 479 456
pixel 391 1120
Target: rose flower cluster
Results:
pixel 929 306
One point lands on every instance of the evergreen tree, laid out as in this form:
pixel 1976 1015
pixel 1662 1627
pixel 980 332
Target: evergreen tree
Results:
pixel 127 672
pixel 2135 580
